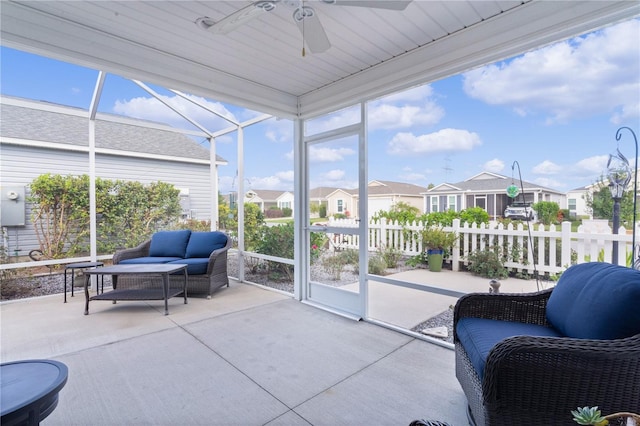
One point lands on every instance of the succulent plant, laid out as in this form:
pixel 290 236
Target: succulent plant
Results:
pixel 589 416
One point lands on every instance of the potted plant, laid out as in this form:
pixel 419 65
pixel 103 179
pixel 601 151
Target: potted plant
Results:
pixel 436 241
pixel 593 416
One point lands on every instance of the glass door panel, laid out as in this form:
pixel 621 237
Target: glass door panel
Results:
pixel 334 242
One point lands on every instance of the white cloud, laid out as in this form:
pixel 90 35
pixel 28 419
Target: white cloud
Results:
pixel 334 175
pixel 400 110
pixel 279 130
pixel 445 140
pixel 495 165
pixel 329 155
pixel 335 178
pixel 592 165
pixel 154 110
pixel 270 182
pixel 573 174
pixel 581 77
pixel 286 176
pixel 549 182
pixel 388 116
pixel 547 168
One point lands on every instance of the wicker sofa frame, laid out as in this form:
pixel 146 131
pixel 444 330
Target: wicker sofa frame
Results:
pixel 215 277
pixel 539 380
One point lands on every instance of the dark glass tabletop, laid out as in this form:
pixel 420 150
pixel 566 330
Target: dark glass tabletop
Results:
pixel 29 390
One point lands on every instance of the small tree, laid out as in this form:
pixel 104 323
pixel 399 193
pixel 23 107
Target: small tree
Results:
pixel 601 204
pixel 253 222
pixel 60 213
pixel 547 211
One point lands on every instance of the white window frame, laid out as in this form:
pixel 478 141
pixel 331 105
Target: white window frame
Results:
pixel 452 206
pixel 434 203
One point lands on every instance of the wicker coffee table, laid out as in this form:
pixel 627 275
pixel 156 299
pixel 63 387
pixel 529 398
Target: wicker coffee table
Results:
pixel 161 269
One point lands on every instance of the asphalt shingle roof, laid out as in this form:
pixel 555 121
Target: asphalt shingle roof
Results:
pixel 56 127
pixel 499 183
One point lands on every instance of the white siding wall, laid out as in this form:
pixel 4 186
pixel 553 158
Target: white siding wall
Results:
pixel 19 165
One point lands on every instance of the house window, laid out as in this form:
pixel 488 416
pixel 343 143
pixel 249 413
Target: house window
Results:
pixel 572 204
pixel 434 204
pixel 285 204
pixel 452 202
pixel 339 206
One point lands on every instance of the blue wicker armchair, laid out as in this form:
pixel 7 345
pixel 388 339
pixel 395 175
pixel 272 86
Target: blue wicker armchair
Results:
pixel 529 359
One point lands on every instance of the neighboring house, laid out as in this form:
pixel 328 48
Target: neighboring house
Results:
pixel 577 201
pixel 40 137
pixel 383 195
pixel 341 201
pixel 318 196
pixel 269 198
pixel 488 191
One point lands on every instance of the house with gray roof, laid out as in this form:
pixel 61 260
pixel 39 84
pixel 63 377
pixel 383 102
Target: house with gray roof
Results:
pixel 488 191
pixel 40 137
pixel 269 198
pixel 383 195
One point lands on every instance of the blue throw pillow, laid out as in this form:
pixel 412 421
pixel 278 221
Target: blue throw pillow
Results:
pixel 169 243
pixel 596 301
pixel 202 244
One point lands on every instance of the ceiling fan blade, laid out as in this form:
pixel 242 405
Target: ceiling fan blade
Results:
pixel 376 4
pixel 311 28
pixel 236 19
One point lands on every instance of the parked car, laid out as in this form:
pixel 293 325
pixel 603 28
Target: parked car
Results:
pixel 520 211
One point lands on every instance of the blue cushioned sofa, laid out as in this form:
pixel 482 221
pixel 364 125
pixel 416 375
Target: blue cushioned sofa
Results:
pixel 205 254
pixel 529 359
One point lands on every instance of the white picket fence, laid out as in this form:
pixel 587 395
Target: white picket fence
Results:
pixel 554 249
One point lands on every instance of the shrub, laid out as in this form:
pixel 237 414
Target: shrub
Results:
pixel 335 265
pixel 487 263
pixel 273 213
pixel 350 256
pixel 419 259
pixel 278 241
pixel 195 225
pixel 377 264
pixel 474 214
pixel 322 211
pixel 317 241
pixel 547 211
pixel 287 212
pixel 390 255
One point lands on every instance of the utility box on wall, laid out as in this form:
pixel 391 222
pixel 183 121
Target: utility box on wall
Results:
pixel 12 206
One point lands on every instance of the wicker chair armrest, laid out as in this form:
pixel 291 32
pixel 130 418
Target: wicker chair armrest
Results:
pixel 141 250
pixel 219 253
pixel 557 366
pixel 520 307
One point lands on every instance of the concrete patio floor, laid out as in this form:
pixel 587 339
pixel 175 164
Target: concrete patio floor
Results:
pixel 248 356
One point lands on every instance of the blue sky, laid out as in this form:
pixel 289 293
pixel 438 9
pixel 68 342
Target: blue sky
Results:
pixel 554 110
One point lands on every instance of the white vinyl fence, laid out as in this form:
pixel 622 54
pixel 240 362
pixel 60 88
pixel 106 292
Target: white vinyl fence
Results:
pixel 553 250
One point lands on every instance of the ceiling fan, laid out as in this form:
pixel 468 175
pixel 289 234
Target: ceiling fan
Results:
pixel 305 17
